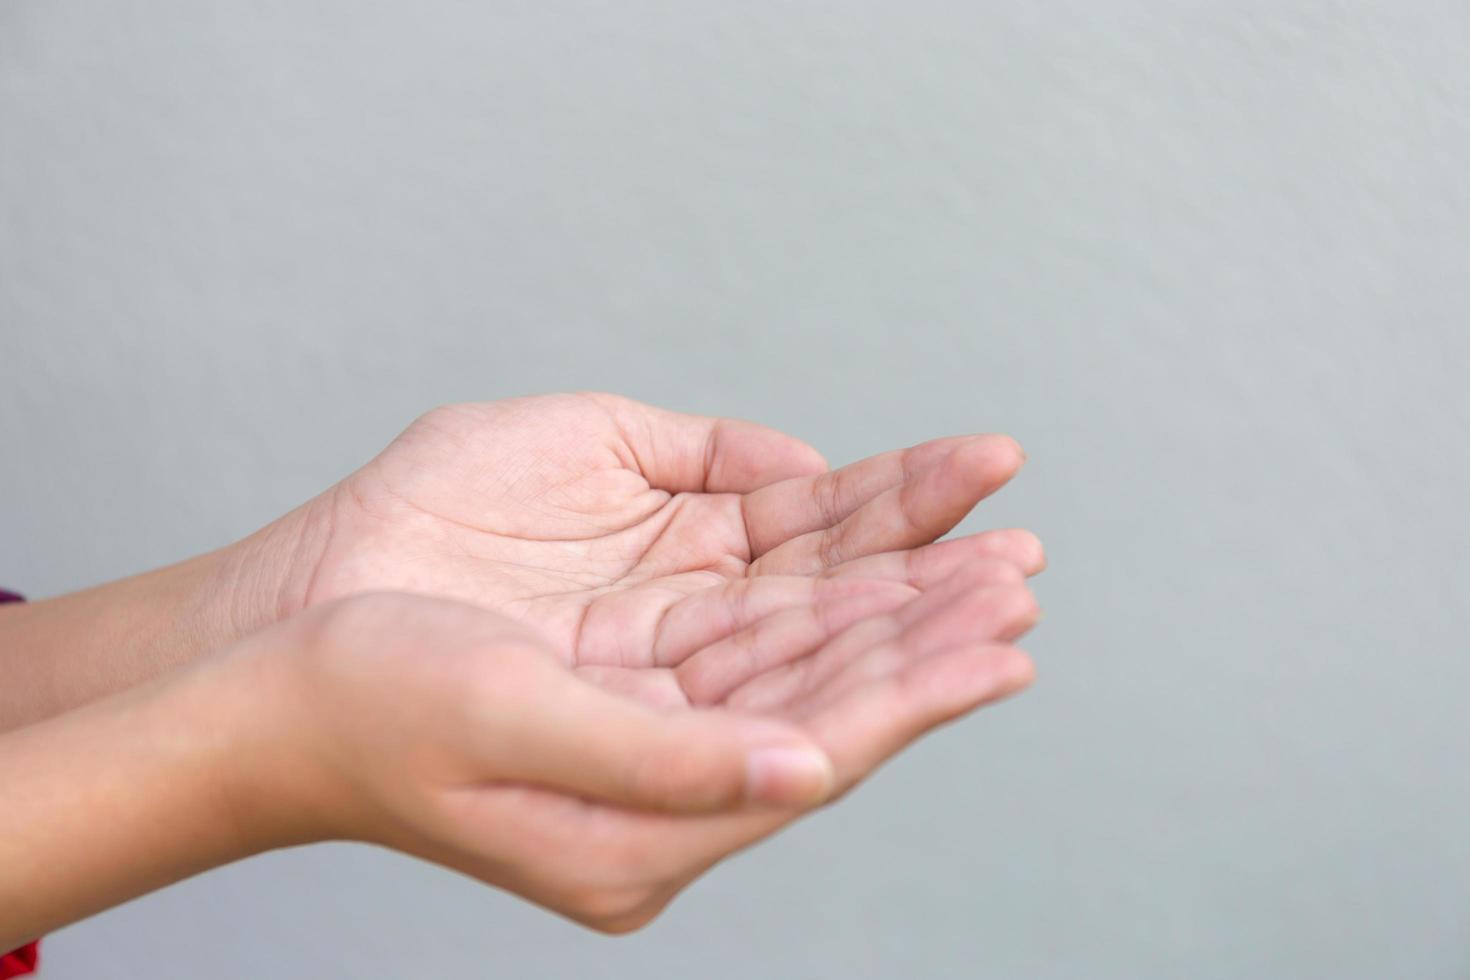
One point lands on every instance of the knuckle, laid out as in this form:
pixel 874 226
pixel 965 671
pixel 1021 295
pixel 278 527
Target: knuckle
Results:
pixel 828 492
pixel 829 546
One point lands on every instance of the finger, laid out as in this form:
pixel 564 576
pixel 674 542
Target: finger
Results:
pixel 942 607
pixel 906 516
pixel 595 849
pixel 879 645
pixel 782 511
pixel 877 719
pixel 859 733
pixel 711 614
pixel 657 687
pixel 709 675
pixel 991 615
pixel 563 732
pixel 1013 553
pixel 678 452
pixel 667 619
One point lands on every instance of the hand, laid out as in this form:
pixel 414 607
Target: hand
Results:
pixel 459 736
pixel 704 571
pixel 630 536
pixel 633 536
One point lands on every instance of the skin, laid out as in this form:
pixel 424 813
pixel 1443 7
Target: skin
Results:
pixel 500 761
pixel 635 642
pixel 617 528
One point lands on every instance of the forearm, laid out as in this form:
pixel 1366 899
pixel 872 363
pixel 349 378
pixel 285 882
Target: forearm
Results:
pixel 60 653
pixel 124 796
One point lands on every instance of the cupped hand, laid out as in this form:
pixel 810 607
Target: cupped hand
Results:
pixel 631 536
pixel 461 736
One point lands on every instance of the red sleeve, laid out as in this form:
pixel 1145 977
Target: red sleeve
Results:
pixel 22 961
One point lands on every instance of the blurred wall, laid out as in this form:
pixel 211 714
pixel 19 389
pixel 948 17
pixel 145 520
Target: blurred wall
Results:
pixel 1210 262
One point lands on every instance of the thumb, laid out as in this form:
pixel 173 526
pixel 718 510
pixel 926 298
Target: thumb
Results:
pixel 678 452
pixel 581 738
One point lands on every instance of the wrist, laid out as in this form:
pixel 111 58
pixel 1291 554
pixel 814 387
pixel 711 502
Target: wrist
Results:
pixel 302 771
pixel 262 756
pixel 267 577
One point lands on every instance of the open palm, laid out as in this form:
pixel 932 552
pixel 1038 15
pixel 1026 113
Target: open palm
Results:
pixel 694 565
pixel 614 851
pixel 514 769
pixel 634 537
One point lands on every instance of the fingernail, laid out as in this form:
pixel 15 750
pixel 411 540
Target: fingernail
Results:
pixel 791 775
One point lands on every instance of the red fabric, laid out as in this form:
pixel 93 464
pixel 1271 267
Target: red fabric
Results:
pixel 24 960
pixel 20 962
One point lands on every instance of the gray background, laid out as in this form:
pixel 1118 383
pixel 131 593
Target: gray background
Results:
pixel 1208 261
